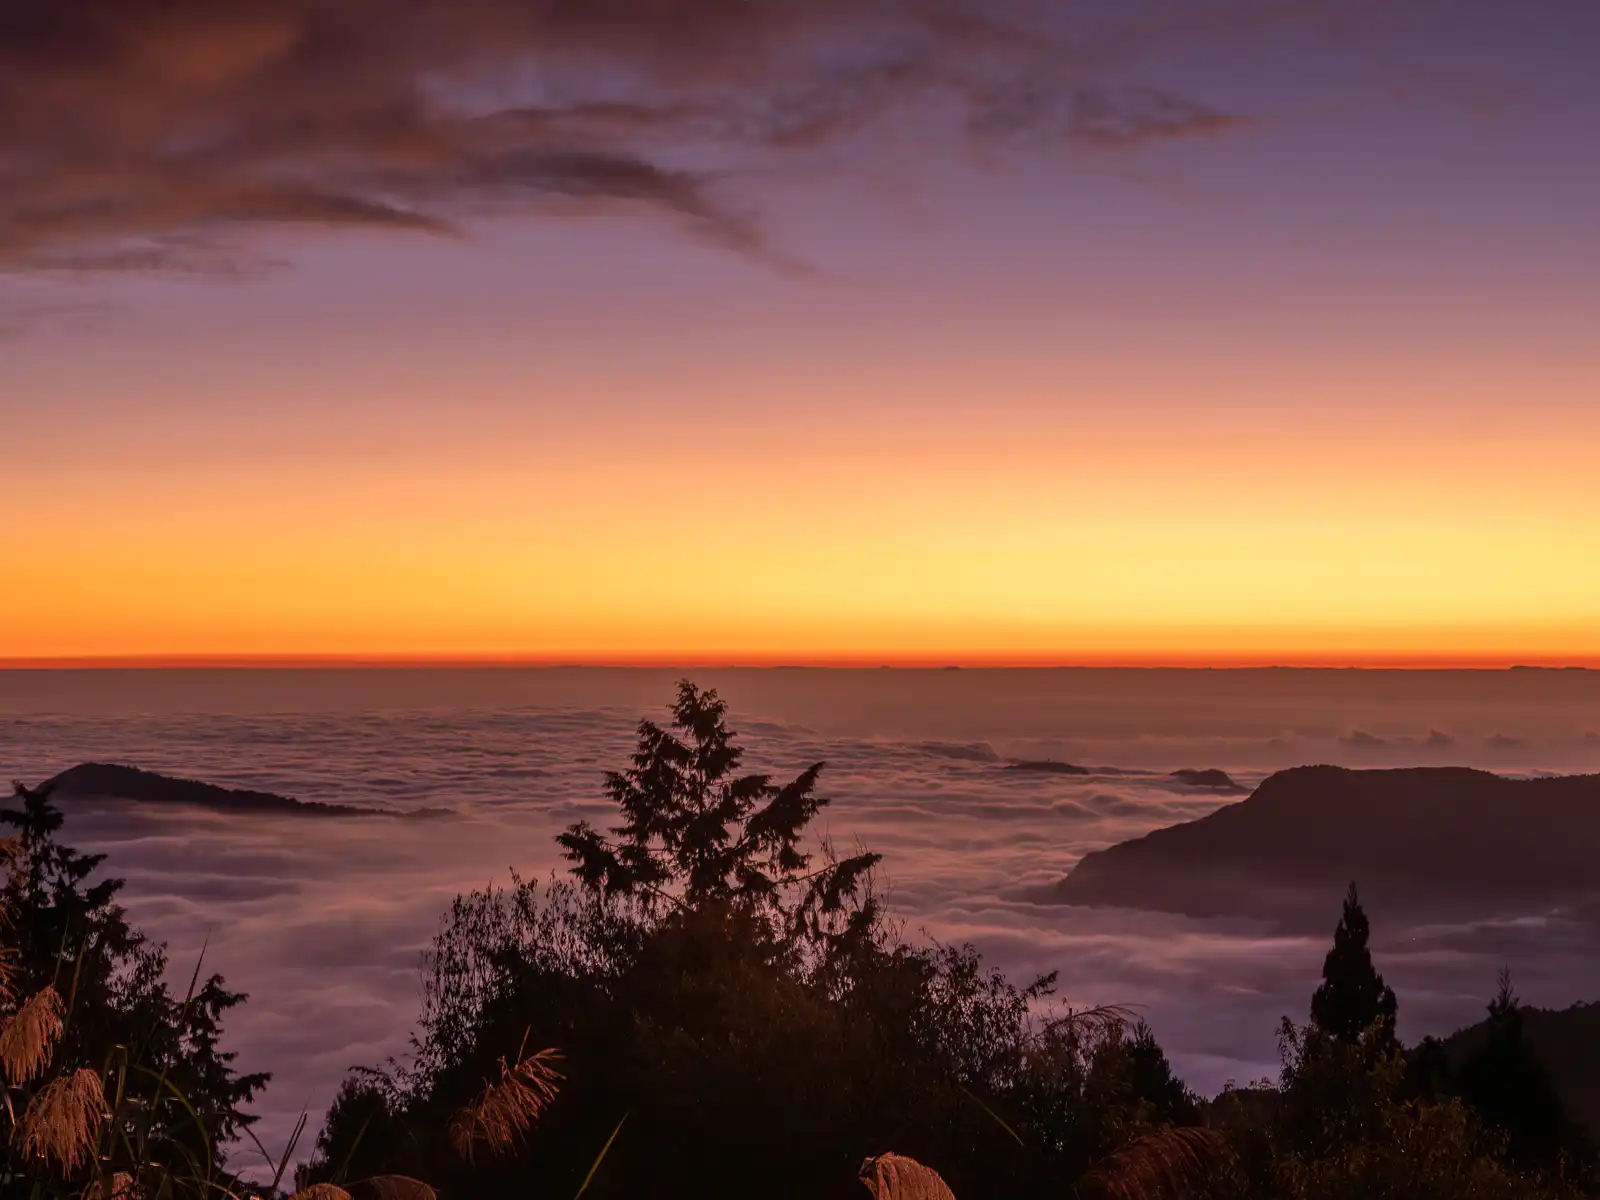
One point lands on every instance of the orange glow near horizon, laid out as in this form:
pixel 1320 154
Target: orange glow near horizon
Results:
pixel 1316 386
pixel 691 662
pixel 1116 554
pixel 807 476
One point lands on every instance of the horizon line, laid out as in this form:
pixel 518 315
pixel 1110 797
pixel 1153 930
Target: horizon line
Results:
pixel 170 662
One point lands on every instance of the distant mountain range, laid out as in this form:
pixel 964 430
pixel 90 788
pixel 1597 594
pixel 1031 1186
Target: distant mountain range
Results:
pixel 1212 780
pixel 1449 838
pixel 1049 766
pixel 107 781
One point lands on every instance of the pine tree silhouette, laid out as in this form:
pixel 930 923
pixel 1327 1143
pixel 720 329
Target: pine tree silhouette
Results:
pixel 1352 996
pixel 1511 1090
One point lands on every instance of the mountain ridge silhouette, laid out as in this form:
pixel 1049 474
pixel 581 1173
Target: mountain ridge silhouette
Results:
pixel 114 781
pixel 1415 837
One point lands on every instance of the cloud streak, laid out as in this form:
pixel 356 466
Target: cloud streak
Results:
pixel 163 135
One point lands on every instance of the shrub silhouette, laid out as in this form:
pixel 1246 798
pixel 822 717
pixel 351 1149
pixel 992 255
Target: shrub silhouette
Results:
pixel 1504 1081
pixel 742 998
pixel 106 1070
pixel 1352 1114
pixel 694 833
pixel 738 1014
pixel 1341 1123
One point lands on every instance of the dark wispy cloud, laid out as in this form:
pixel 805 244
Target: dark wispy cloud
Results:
pixel 161 135
pixel 1360 739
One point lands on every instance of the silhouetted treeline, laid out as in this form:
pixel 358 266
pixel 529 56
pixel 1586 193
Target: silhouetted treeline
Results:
pixel 710 1005
pixel 108 1076
pixel 754 1021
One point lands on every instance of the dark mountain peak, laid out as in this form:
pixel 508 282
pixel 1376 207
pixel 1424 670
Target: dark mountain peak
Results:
pixel 1049 766
pixel 1416 837
pixel 1215 780
pixel 110 781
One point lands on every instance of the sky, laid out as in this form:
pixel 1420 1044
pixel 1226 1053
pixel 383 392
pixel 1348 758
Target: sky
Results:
pixel 761 331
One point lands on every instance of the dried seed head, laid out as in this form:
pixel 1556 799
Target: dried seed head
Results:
pixel 896 1177
pixel 29 1036
pixel 1174 1163
pixel 502 1115
pixel 120 1188
pixel 62 1122
pixel 395 1187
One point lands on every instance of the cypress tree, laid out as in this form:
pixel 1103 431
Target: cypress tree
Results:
pixel 1352 997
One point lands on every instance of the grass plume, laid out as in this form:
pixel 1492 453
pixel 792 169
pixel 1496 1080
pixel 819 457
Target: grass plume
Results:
pixel 1173 1164
pixel 397 1187
pixel 504 1112
pixel 29 1036
pixel 62 1122
pixel 896 1177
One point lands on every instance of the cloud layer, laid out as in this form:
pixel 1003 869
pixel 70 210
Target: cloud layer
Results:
pixel 146 135
pixel 323 922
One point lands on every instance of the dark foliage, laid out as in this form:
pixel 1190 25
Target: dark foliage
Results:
pixel 1567 1044
pixel 749 1009
pixel 736 1014
pixel 1340 1124
pixel 742 1020
pixel 1509 1087
pixel 696 833
pixel 1353 999
pixel 1149 1075
pixel 67 930
pixel 1354 1115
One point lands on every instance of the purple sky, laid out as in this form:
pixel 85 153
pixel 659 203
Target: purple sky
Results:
pixel 431 302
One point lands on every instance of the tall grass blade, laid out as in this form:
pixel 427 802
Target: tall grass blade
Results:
pixel 996 1117
pixel 599 1158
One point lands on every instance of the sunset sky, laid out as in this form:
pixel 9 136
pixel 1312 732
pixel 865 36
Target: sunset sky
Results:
pixel 1021 331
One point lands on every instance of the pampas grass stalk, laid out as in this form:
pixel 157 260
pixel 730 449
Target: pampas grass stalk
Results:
pixel 896 1177
pixel 121 1188
pixel 30 1035
pixel 504 1112
pixel 1173 1164
pixel 397 1187
pixel 321 1191
pixel 62 1122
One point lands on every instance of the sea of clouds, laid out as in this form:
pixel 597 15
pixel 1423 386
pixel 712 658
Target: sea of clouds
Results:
pixel 323 921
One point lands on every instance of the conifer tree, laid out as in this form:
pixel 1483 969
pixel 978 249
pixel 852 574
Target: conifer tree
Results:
pixel 1150 1076
pixel 694 831
pixel 1352 997
pixel 1509 1087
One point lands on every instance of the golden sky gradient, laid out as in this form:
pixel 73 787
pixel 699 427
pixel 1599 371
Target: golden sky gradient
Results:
pixel 1274 349
pixel 888 545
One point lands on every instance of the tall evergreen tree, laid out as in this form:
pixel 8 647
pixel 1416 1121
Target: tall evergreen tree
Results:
pixel 1352 997
pixel 1509 1087
pixel 695 831
pixel 1149 1076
